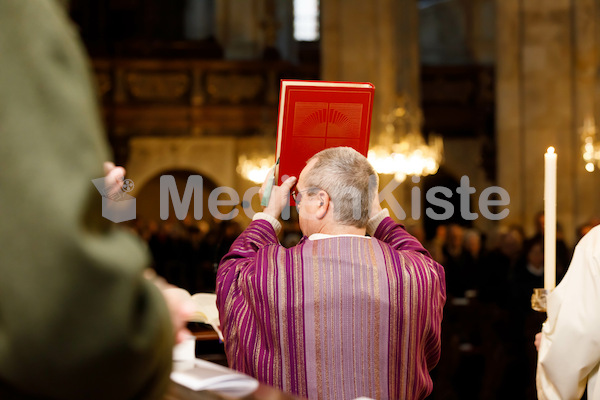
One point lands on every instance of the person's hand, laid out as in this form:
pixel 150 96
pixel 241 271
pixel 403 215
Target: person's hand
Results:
pixel 538 341
pixel 113 178
pixel 180 306
pixel 376 206
pixel 181 309
pixel 279 196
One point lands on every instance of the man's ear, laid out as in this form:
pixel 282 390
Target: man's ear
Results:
pixel 323 206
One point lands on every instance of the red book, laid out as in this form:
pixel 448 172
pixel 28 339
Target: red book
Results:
pixel 316 115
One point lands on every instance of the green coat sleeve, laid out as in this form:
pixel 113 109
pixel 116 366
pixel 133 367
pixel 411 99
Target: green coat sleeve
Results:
pixel 77 319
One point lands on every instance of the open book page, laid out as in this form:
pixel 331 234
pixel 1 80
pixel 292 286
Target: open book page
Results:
pixel 205 307
pixel 206 304
pixel 204 375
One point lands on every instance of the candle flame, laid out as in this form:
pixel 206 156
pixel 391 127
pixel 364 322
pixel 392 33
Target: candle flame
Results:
pixel 550 150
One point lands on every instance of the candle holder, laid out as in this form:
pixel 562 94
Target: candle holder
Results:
pixel 538 299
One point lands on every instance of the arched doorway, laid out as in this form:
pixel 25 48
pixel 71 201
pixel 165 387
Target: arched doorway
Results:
pixel 148 196
pixel 185 251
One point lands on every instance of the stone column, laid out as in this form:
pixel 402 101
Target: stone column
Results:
pixel 546 84
pixel 238 28
pixel 373 41
pixel 587 185
pixel 481 32
pixel 255 29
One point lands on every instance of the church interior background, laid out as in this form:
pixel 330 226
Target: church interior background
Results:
pixel 190 87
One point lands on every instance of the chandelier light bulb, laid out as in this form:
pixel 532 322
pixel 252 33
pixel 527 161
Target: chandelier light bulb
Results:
pixel 591 147
pixel 255 169
pixel 589 167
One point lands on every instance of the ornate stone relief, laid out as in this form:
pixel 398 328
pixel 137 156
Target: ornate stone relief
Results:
pixel 158 86
pixel 234 87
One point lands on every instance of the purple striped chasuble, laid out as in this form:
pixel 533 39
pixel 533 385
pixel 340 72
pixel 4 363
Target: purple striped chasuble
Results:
pixel 334 318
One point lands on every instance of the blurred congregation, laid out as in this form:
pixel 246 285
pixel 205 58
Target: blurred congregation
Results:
pixel 489 324
pixel 187 253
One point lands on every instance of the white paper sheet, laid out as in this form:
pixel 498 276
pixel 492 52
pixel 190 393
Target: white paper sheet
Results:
pixel 205 375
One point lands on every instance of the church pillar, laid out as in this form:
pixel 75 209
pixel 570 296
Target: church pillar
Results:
pixel 480 32
pixel 587 89
pixel 238 28
pixel 374 41
pixel 255 29
pixel 546 84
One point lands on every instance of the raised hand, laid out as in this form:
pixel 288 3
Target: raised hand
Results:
pixel 280 196
pixel 113 178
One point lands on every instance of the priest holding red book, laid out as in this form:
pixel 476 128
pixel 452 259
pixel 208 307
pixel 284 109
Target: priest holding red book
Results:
pixel 353 310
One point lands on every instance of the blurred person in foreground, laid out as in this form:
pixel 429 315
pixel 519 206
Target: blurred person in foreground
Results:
pixel 78 320
pixel 341 314
pixel 569 344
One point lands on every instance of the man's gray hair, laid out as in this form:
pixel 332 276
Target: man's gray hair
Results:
pixel 349 180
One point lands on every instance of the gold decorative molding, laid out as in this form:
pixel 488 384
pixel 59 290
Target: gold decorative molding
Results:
pixel 158 86
pixel 234 88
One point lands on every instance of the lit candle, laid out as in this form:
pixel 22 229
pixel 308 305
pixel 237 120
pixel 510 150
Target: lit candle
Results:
pixel 550 219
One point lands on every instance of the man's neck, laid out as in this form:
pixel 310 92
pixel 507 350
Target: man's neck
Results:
pixel 343 230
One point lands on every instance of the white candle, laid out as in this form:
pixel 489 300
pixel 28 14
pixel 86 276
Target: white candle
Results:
pixel 550 219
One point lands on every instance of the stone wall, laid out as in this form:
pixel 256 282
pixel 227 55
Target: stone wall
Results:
pixel 546 86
